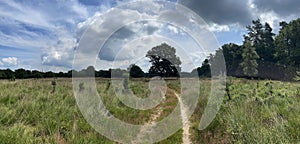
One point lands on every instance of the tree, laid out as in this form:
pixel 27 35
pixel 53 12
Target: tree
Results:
pixel 118 73
pixel 233 57
pixel 3 74
pixel 249 63
pixel 36 74
pixel 164 61
pixel 267 51
pixel 49 74
pixel 261 38
pixel 9 73
pixel 135 71
pixel 90 71
pixel 20 73
pixel 255 33
pixel 288 44
pixel 204 70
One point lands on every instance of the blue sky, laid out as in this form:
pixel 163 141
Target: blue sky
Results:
pixel 43 35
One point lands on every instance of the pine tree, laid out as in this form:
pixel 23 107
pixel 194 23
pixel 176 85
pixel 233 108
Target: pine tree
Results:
pixel 249 63
pixel 262 39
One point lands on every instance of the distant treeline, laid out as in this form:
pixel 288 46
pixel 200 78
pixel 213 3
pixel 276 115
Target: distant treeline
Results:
pixel 134 72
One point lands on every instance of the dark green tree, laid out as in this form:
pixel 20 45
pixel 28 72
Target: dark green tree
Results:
pixel 288 44
pixel 255 33
pixel 249 63
pixel 135 71
pixel 267 51
pixel 262 39
pixel 9 73
pixel 36 74
pixel 203 71
pixel 90 71
pixel 21 73
pixel 233 57
pixel 49 74
pixel 164 61
pixel 3 74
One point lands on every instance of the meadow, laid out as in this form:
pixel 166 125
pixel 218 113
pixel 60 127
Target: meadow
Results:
pixel 258 112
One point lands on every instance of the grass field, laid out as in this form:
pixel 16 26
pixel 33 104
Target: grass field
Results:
pixel 259 112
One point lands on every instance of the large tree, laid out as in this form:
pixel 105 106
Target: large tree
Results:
pixel 249 63
pixel 164 61
pixel 233 57
pixel 135 71
pixel 261 38
pixel 259 49
pixel 288 44
pixel 203 71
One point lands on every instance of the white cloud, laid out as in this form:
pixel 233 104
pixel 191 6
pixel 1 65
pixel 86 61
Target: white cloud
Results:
pixel 34 25
pixel 274 12
pixel 9 61
pixel 131 41
pixel 134 52
pixel 118 25
pixel 45 28
pixel 54 28
pixel 270 17
pixel 218 28
pixel 60 54
pixel 173 29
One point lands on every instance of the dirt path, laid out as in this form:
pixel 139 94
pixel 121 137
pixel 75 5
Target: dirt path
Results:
pixel 185 121
pixel 157 114
pixel 148 125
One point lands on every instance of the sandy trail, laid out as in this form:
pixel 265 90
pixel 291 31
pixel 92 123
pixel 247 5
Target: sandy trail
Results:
pixel 157 114
pixel 185 121
pixel 148 125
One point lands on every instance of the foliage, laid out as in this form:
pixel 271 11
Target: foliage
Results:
pixel 164 61
pixel 233 57
pixel 135 71
pixel 261 37
pixel 203 71
pixel 280 53
pixel 287 44
pixel 249 63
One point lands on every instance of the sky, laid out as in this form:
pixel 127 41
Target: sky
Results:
pixel 45 35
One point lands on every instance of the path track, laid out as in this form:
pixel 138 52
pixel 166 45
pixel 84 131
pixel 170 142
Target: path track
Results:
pixel 185 121
pixel 157 114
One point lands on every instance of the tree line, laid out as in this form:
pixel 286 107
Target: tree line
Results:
pixel 263 54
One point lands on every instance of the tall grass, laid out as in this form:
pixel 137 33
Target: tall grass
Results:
pixel 259 112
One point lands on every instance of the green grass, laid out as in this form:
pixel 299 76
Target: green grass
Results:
pixel 259 112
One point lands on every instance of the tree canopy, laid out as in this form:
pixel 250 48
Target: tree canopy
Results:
pixel 135 71
pixel 249 63
pixel 164 61
pixel 287 44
